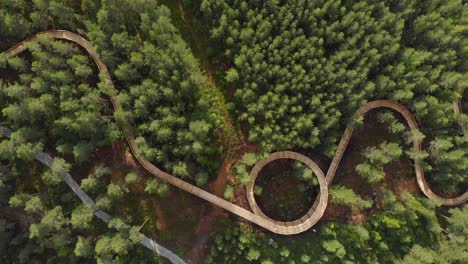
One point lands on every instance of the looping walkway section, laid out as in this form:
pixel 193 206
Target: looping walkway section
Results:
pixel 318 208
pixel 413 125
pixel 284 228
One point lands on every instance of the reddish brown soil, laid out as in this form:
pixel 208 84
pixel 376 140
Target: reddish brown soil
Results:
pixel 334 212
pixel 399 175
pixel 122 161
pixel 202 241
pixel 217 186
pixel 399 178
pixel 240 197
pixel 282 198
pixel 161 223
pixel 249 147
pixel 208 216
pixel 210 213
pixel 16 214
pixel 117 154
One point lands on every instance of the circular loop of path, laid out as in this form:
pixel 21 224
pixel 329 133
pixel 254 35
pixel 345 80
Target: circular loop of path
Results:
pixel 315 212
pixel 285 228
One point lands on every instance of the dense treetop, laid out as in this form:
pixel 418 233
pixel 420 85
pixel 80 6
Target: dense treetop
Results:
pixel 295 71
pixel 158 79
pixel 301 68
pixel 55 102
pixel 403 231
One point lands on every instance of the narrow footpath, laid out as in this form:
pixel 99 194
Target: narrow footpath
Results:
pixel 284 228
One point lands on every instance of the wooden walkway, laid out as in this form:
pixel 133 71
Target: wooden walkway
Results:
pixel 413 125
pixel 318 208
pixel 150 244
pixel 284 228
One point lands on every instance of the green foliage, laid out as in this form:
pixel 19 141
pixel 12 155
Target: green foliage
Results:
pixel 302 172
pixel 20 19
pixel 344 196
pixel 253 254
pixel 53 175
pixel 54 103
pixel 250 159
pixel 34 205
pixel 132 177
pixel 83 247
pixel 163 84
pixel 414 136
pixel 450 158
pixel 391 122
pixel 404 224
pixel 52 231
pixel 229 192
pixel 425 255
pixel 201 178
pixel 20 200
pixel 232 75
pixel 82 217
pixel 302 68
pixel 116 190
pixel 115 247
pixel 387 236
pixel 335 248
pixel 241 174
pixel 418 155
pixel 51 226
pixel 95 180
pixel 104 202
pixel 19 147
pixel 155 186
pixel 376 158
pixel 258 190
pixel 356 120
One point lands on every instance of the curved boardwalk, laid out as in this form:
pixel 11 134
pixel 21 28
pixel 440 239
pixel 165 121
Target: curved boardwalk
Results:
pixel 274 226
pixel 47 160
pixel 318 208
pixel 413 125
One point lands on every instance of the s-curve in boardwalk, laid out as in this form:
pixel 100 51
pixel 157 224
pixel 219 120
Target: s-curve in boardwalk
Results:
pixel 413 125
pixel 284 228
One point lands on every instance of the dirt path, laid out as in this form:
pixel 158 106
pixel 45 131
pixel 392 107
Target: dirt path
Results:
pixel 276 227
pixel 231 137
pixel 208 216
pixel 217 186
pixel 202 234
pixel 16 214
pixel 47 160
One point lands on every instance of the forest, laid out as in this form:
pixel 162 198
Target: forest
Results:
pixel 208 88
pixel 302 68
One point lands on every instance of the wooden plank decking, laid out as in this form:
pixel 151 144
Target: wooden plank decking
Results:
pixel 284 228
